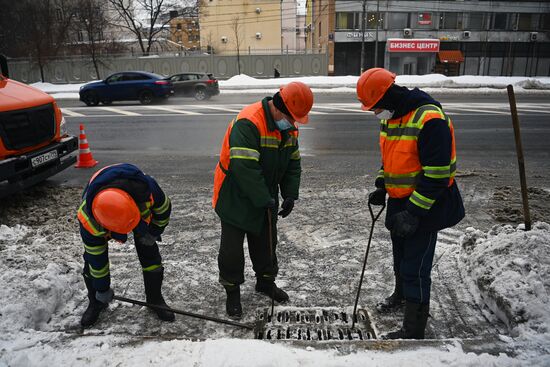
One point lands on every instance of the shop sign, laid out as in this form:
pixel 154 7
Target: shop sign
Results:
pixel 358 35
pixel 413 45
pixel 425 18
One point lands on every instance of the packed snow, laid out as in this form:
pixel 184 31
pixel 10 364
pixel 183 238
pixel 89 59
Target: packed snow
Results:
pixel 346 84
pixel 505 271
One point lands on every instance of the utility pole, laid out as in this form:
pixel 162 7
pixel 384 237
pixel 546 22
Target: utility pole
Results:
pixel 364 18
pixel 376 40
pixel 281 27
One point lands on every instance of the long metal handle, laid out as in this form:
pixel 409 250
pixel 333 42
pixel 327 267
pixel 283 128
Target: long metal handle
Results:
pixel 270 233
pixel 521 162
pixel 185 313
pixel 373 219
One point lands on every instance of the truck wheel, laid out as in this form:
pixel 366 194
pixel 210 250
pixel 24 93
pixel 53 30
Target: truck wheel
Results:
pixel 91 99
pixel 146 97
pixel 200 94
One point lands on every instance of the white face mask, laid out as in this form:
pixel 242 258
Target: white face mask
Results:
pixel 283 124
pixel 384 115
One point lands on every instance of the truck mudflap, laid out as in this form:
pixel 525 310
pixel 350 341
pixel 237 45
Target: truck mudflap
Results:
pixel 21 172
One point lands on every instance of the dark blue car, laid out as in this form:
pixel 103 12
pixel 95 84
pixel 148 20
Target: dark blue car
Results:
pixel 127 86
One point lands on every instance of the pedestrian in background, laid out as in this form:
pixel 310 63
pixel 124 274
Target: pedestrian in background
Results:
pixel 259 159
pixel 418 150
pixel 117 200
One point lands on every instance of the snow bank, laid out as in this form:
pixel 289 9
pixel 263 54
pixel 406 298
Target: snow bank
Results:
pixel 346 84
pixel 510 270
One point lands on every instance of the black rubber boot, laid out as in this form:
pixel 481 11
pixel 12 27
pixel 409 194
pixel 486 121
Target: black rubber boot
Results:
pixel 270 289
pixel 153 284
pixel 233 303
pixel 414 322
pixel 95 307
pixel 393 302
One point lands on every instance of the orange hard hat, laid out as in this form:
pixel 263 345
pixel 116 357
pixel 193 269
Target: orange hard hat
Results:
pixel 115 210
pixel 372 85
pixel 298 100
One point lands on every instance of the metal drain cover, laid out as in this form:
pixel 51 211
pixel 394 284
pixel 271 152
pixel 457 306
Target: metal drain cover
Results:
pixel 312 324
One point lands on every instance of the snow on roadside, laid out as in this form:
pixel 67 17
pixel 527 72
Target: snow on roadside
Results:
pixel 510 271
pixel 346 84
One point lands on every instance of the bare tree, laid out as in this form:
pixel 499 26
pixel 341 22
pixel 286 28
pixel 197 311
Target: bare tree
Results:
pixel 149 19
pixel 236 28
pixel 93 20
pixel 47 23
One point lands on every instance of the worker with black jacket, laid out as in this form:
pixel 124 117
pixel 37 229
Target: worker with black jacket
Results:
pixel 418 150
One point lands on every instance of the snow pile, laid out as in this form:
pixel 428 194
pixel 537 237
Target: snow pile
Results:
pixel 12 234
pixel 510 268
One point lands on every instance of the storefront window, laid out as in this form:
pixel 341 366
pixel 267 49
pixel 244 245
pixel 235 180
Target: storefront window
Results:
pixel 475 21
pixel 398 20
pixel 527 22
pixel 451 21
pixel 348 20
pixel 499 21
pixel 371 21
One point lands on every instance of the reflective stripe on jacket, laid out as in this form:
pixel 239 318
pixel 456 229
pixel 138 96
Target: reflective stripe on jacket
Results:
pixel 256 159
pixel 401 163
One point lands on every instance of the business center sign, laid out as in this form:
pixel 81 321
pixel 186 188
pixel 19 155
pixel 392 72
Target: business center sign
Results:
pixel 413 45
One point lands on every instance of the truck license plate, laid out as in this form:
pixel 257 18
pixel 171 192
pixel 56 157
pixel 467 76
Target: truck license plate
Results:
pixel 43 158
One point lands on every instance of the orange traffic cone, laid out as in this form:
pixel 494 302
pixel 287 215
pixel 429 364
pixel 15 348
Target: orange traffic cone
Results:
pixel 85 159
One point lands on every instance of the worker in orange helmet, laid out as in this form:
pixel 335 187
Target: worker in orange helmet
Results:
pixel 259 159
pixel 417 143
pixel 120 199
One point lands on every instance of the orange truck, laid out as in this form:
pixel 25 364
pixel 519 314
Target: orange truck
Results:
pixel 34 143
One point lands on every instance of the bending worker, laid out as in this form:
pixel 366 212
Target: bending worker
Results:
pixel 418 173
pixel 259 155
pixel 120 199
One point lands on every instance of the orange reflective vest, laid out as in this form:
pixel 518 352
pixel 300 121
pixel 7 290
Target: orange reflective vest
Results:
pixel 400 159
pixel 270 139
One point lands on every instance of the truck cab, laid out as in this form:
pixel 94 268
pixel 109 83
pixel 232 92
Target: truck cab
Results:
pixel 34 143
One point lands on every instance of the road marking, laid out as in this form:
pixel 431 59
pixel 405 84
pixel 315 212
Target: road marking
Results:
pixel 173 110
pixel 333 108
pixel 117 110
pixel 216 108
pixel 66 111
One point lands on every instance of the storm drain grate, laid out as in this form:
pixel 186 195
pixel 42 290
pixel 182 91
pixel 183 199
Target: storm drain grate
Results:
pixel 313 324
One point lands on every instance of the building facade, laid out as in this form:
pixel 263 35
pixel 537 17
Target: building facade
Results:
pixel 451 37
pixel 185 32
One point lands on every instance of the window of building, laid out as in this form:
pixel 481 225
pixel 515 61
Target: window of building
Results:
pixel 398 20
pixel 348 20
pixel 58 14
pixel 178 26
pixel 527 22
pixel 476 21
pixel 371 20
pixel 545 22
pixel 450 20
pixel 499 21
pixel 320 29
pixel 80 36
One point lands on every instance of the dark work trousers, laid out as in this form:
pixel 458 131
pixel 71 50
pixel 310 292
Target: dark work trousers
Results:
pixel 149 258
pixel 231 255
pixel 412 261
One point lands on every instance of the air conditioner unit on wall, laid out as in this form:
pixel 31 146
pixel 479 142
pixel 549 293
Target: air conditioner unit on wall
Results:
pixel 407 32
pixel 224 39
pixel 258 36
pixel 466 34
pixel 533 36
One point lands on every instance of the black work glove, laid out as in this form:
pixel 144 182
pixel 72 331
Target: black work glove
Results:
pixel 146 239
pixel 403 224
pixel 271 204
pixel 287 206
pixel 105 297
pixel 377 197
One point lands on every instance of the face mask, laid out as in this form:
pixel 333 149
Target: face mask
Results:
pixel 283 124
pixel 384 115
